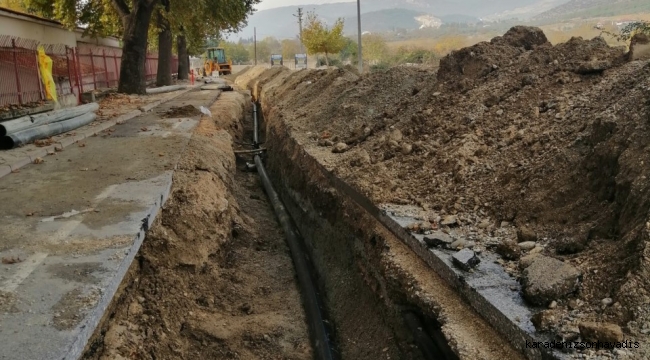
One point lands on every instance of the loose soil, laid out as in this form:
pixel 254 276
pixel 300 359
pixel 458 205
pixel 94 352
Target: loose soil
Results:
pixel 214 278
pixel 512 135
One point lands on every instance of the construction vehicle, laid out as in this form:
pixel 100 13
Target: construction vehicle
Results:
pixel 216 61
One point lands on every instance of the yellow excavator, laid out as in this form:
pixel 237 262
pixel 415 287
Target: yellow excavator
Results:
pixel 216 61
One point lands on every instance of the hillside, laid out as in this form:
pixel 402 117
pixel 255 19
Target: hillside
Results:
pixel 594 8
pixel 385 20
pixel 280 22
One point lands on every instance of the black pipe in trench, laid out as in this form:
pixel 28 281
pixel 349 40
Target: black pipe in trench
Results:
pixel 320 340
pixel 323 350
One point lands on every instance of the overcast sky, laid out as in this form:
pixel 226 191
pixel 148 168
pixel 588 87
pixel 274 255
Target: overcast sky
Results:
pixel 268 4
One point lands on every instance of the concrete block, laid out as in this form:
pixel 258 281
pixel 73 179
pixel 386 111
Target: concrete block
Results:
pixel 21 163
pixel 66 141
pixel 39 153
pixel 5 170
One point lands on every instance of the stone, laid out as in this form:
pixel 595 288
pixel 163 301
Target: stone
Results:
pixel 325 142
pixel 525 261
pixel 528 245
pixel 499 112
pixel 465 259
pixel 547 279
pixel 543 320
pixel 361 158
pixel 396 135
pixel 407 149
pixel 439 239
pixel 605 332
pixel 525 234
pixel 449 220
pixel 509 250
pixel 607 301
pixel 340 148
pixel 552 305
pixel 425 226
pixel 461 244
pixel 484 224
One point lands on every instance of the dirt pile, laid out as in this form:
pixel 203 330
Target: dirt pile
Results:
pixel 509 135
pixel 214 278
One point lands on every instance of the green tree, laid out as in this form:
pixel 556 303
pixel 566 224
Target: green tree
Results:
pixel 192 21
pixel 319 39
pixel 349 51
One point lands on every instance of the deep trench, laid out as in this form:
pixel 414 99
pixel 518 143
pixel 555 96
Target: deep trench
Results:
pixel 365 316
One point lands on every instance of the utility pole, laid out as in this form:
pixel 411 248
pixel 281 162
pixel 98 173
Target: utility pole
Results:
pixel 255 43
pixel 359 29
pixel 299 16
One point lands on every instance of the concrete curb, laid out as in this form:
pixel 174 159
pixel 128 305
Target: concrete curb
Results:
pixel 63 143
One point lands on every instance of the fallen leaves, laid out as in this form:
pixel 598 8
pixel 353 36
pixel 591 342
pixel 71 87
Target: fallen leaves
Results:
pixel 82 144
pixel 144 129
pixel 38 160
pixel 44 142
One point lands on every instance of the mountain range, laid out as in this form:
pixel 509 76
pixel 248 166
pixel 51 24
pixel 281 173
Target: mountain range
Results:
pixel 385 15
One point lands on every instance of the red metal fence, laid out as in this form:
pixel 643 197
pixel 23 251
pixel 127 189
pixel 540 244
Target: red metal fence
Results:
pixel 75 70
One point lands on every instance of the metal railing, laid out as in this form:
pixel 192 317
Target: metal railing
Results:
pixel 75 70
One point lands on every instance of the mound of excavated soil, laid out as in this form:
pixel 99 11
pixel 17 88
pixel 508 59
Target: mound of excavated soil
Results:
pixel 509 136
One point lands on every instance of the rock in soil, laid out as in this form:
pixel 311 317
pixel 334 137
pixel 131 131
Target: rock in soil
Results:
pixel 543 320
pixel 605 332
pixel 548 279
pixel 525 234
pixel 509 249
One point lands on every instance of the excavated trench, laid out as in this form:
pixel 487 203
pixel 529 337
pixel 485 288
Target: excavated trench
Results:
pixel 215 277
pixel 367 311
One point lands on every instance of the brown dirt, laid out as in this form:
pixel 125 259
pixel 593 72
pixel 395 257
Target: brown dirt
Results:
pixel 182 111
pixel 509 133
pixel 214 278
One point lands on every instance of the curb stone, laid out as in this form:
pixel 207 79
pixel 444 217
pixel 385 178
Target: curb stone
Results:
pixel 5 170
pixel 29 158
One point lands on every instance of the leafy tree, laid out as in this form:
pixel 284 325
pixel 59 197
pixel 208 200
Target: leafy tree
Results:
pixel 290 48
pixel 374 48
pixel 318 38
pixel 237 52
pixel 349 51
pixel 191 21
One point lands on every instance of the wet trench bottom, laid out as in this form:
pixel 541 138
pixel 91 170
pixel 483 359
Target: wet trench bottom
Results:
pixel 419 337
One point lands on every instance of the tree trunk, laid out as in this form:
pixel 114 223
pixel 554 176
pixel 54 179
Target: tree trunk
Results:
pixel 327 61
pixel 134 49
pixel 164 76
pixel 183 58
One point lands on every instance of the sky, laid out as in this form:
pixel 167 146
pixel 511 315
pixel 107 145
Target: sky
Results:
pixel 269 4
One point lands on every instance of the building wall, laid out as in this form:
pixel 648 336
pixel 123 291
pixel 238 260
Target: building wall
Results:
pixel 46 31
pixel 41 31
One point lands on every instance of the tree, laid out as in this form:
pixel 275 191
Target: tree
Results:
pixel 165 42
pixel 191 20
pixel 374 48
pixel 349 51
pixel 290 48
pixel 318 38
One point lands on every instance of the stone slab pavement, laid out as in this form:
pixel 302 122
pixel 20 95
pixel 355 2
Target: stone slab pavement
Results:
pixel 74 223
